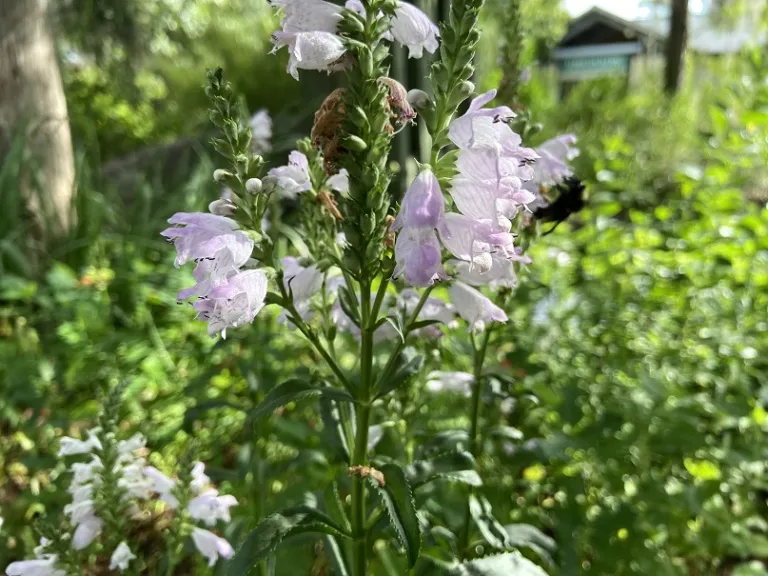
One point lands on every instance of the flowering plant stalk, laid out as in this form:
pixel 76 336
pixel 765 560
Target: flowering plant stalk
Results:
pixel 358 272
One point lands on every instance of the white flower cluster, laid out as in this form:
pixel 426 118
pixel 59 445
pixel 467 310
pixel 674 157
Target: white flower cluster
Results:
pixel 206 506
pixel 309 31
pixel 134 481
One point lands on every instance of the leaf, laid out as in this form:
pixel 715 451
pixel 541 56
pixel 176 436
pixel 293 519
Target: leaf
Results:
pixel 509 564
pixel 333 428
pixel 398 500
pixel 268 535
pixel 452 466
pixel 407 364
pixel 395 322
pixel 335 506
pixel 506 433
pixel 490 528
pixel 293 391
pixel 527 536
pixel 422 324
pixel 335 556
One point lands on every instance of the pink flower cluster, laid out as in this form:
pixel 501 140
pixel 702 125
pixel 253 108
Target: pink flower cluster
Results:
pixel 227 295
pixel 488 192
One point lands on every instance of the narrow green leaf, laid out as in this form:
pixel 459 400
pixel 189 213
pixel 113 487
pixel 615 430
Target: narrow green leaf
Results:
pixel 333 428
pixel 266 537
pixel 452 466
pixel 395 322
pixel 293 391
pixel 408 363
pixel 335 506
pixel 335 556
pixel 506 433
pixel 490 528
pixel 398 500
pixel 422 324
pixel 508 564
pixel 527 536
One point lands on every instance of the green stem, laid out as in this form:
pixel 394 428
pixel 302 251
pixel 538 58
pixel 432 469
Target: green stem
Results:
pixel 474 439
pixel 310 335
pixel 400 345
pixel 360 548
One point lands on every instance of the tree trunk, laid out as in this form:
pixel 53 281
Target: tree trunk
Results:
pixel 678 30
pixel 32 99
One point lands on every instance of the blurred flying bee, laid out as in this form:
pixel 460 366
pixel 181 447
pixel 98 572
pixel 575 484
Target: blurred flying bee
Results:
pixel 570 200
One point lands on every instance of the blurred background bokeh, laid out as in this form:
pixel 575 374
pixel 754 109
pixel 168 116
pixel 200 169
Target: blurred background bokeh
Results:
pixel 638 350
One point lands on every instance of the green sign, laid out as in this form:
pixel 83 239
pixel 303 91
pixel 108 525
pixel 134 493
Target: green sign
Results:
pixel 595 65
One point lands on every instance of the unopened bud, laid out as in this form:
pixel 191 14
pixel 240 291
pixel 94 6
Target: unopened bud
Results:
pixel 419 99
pixel 466 87
pixel 268 184
pixel 221 207
pixel 253 186
pixel 222 175
pixel 355 144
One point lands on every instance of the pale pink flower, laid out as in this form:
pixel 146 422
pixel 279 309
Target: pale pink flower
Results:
pixel 450 382
pixel 315 50
pixel 88 529
pixel 233 303
pixel 261 132
pixel 418 257
pixel 199 235
pixel 412 28
pixel 210 545
pixel 423 205
pixel 209 507
pixel 45 566
pixel 473 307
pixel 293 178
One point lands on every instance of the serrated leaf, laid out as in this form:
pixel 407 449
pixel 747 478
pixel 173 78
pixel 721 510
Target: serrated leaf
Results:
pixel 408 363
pixel 293 391
pixel 268 535
pixel 508 564
pixel 452 466
pixel 398 500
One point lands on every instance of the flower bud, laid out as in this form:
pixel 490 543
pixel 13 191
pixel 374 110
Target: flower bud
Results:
pixel 355 143
pixel 419 99
pixel 222 175
pixel 466 87
pixel 221 207
pixel 268 184
pixel 253 186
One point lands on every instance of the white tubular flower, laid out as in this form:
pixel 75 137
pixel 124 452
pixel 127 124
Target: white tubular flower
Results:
pixel 121 557
pixel 450 382
pixel 261 132
pixel 339 182
pixel 413 29
pixel 40 567
pixel 88 529
pixel 199 479
pixel 71 446
pixel 293 178
pixel 209 507
pixel 210 545
pixel 135 442
pixel 316 50
pixel 162 485
pixel 475 308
